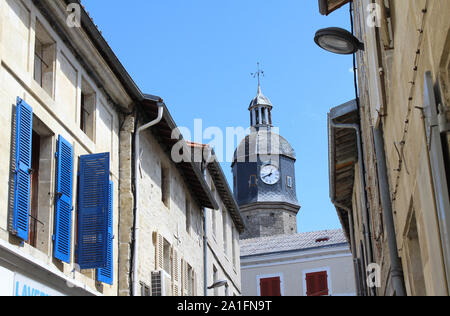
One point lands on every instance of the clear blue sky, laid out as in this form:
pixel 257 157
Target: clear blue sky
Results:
pixel 198 55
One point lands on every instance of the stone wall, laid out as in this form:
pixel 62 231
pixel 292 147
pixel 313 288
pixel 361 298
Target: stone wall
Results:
pixel 269 219
pixel 418 43
pixel 56 112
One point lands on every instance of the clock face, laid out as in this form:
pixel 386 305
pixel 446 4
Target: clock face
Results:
pixel 270 174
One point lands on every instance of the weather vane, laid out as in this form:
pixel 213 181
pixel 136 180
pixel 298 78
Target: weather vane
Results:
pixel 259 73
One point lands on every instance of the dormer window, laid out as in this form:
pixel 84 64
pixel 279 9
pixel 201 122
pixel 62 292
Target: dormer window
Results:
pixel 323 239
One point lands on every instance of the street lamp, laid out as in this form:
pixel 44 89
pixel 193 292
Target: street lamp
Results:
pixel 218 284
pixel 337 40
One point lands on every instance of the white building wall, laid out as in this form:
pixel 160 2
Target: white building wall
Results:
pixel 293 267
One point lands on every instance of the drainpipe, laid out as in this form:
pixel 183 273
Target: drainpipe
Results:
pixel 386 204
pixel 352 241
pixel 137 149
pixel 367 235
pixel 205 234
pixel 205 252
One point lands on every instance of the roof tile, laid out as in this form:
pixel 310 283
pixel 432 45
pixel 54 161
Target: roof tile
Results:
pixel 283 243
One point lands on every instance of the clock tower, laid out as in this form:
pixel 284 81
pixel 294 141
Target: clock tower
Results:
pixel 264 176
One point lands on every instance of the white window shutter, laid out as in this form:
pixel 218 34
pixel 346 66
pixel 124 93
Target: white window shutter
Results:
pixel 184 278
pixel 159 251
pixel 175 273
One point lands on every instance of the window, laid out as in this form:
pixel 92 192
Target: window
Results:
pixel 322 239
pixel 233 245
pixel 33 170
pixel 167 257
pixel 44 59
pixel 40 205
pixel 270 286
pixel 87 109
pixel 190 279
pixel 317 284
pixel 35 158
pixel 289 182
pixel 253 182
pixel 145 290
pixel 214 212
pixel 224 231
pixel 165 186
pixel 414 260
pixel 188 215
pixel 214 222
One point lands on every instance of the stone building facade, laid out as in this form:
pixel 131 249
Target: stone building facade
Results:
pixel 171 230
pixel 393 202
pixel 223 229
pixel 61 105
pixel 72 112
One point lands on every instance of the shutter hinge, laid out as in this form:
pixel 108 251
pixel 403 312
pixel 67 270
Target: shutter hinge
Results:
pixel 56 155
pixel 53 237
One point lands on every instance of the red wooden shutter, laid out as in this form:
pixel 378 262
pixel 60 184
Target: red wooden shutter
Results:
pixel 270 287
pixel 323 283
pixel 276 287
pixel 317 284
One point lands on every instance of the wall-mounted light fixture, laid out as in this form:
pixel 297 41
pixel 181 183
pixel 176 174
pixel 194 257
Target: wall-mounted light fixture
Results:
pixel 218 284
pixel 338 41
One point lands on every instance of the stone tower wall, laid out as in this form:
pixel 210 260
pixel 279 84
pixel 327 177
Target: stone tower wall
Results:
pixel 269 221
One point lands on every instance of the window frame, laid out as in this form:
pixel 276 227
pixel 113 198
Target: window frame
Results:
pixel 289 182
pixel 305 273
pixel 166 186
pixel 279 275
pixel 41 36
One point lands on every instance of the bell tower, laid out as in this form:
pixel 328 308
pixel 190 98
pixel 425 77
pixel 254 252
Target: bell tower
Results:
pixel 264 175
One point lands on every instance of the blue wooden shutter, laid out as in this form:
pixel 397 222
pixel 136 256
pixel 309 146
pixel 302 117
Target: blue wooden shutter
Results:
pixel 63 203
pixel 93 211
pixel 105 275
pixel 22 176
